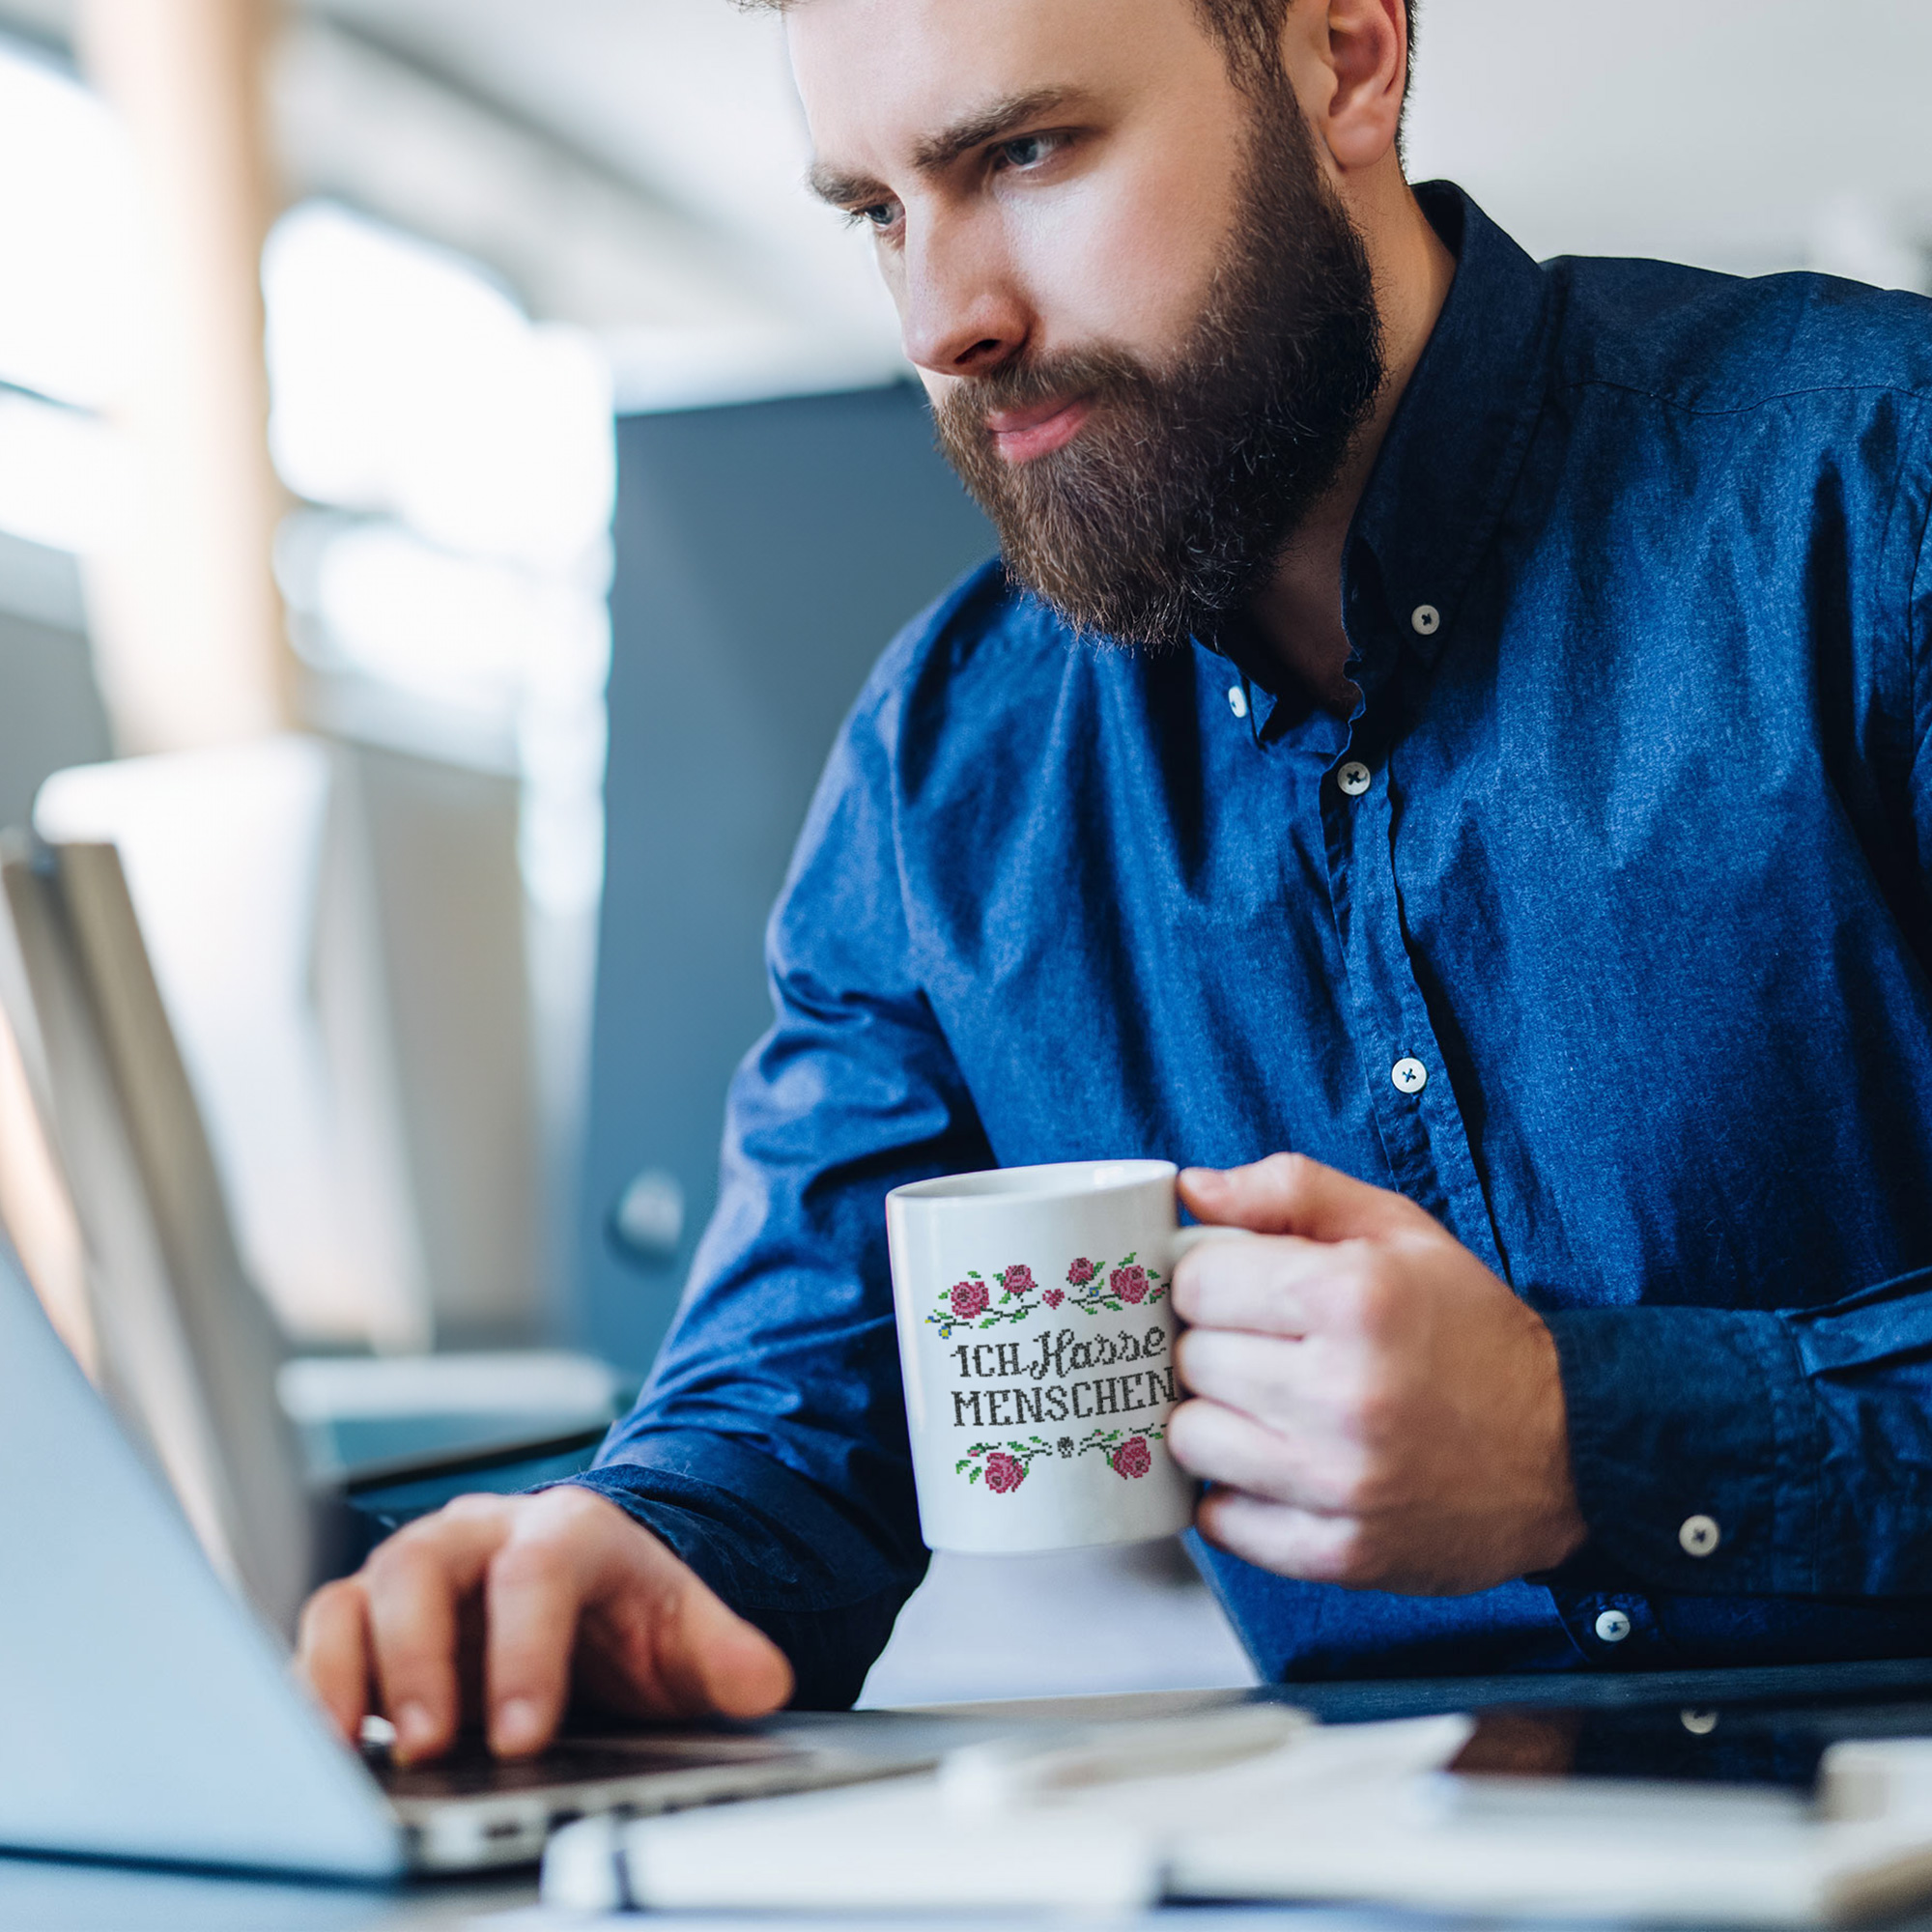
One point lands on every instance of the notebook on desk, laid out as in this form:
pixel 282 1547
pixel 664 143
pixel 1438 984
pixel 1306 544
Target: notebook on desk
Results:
pixel 1229 1807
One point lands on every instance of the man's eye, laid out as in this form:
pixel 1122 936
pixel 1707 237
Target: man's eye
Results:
pixel 1024 151
pixel 881 215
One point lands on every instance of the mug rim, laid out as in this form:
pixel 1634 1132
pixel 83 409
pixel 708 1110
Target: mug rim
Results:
pixel 1045 1181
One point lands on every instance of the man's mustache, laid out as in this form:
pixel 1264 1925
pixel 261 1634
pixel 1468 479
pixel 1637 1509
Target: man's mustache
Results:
pixel 1027 384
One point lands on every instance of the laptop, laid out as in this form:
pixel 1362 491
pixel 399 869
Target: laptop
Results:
pixel 188 1348
pixel 151 1715
pixel 159 1544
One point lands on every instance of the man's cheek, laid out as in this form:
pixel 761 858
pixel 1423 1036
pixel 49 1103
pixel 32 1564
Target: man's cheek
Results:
pixel 1097 273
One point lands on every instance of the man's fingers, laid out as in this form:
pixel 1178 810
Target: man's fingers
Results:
pixel 533 1596
pixel 332 1654
pixel 567 1590
pixel 579 1575
pixel 1285 1286
pixel 1291 1385
pixel 1279 1537
pixel 1289 1194
pixel 720 1662
pixel 1222 1445
pixel 414 1583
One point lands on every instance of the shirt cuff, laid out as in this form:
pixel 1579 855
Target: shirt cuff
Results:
pixel 1696 1447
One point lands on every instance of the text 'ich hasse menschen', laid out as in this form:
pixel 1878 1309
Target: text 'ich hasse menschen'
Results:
pixel 1041 1386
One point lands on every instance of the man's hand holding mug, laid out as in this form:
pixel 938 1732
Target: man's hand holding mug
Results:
pixel 1373 1405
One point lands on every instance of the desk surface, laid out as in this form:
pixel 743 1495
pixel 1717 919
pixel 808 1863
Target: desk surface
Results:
pixel 1760 1724
pixel 54 1895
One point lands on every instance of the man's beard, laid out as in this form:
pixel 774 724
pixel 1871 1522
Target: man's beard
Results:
pixel 1175 496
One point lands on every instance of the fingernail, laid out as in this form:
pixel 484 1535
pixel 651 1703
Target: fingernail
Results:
pixel 416 1728
pixel 515 1726
pixel 1203 1176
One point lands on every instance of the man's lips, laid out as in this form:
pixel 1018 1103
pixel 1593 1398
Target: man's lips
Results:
pixel 1020 435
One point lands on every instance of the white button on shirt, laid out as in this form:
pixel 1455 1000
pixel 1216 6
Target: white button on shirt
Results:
pixel 1612 1626
pixel 1425 619
pixel 1237 700
pixel 1411 1076
pixel 1698 1534
pixel 1354 778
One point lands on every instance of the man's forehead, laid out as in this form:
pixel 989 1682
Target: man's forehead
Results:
pixel 890 85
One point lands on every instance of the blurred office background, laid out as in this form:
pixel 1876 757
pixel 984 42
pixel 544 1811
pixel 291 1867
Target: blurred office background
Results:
pixel 452 482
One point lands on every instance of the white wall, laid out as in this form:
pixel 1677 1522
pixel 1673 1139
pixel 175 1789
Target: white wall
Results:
pixel 1742 134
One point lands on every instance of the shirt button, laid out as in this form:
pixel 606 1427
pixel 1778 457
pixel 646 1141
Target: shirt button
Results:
pixel 1237 700
pixel 1353 777
pixel 1612 1626
pixel 1426 620
pixel 1411 1076
pixel 1698 1534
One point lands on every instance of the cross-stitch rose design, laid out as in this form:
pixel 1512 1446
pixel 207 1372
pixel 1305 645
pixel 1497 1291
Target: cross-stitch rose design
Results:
pixel 970 1303
pixel 1130 1456
pixel 1098 1289
pixel 1012 1295
pixel 1006 1463
pixel 968 1299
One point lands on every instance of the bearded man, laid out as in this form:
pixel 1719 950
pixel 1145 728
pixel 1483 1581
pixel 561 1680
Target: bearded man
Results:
pixel 1458 721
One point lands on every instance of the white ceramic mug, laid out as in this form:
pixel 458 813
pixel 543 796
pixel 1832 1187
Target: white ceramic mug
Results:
pixel 1036 1333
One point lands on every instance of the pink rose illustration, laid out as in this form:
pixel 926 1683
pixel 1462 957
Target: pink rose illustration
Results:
pixel 969 1298
pixel 1005 1473
pixel 1016 1280
pixel 1133 1457
pixel 1130 1284
pixel 1081 1272
pixel 1053 1296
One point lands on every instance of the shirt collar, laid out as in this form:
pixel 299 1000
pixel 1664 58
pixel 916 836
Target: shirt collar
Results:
pixel 1456 442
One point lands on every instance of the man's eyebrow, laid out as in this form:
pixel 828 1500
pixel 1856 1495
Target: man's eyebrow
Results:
pixel 843 190
pixel 938 151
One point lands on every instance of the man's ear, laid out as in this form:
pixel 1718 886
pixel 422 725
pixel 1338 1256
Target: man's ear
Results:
pixel 1349 60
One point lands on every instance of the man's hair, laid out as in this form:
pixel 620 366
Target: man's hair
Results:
pixel 1249 32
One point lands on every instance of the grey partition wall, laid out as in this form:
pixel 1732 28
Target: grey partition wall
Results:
pixel 766 553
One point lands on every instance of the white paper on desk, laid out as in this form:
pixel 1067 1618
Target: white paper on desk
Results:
pixel 895 1849
pixel 895 1844
pixel 1574 1848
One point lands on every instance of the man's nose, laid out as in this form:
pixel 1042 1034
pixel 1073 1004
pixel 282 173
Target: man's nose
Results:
pixel 961 313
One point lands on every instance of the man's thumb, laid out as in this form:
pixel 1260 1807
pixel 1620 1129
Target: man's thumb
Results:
pixel 736 1668
pixel 1289 1194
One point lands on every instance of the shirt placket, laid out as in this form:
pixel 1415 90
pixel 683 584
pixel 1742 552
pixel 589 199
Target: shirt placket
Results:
pixel 1405 1069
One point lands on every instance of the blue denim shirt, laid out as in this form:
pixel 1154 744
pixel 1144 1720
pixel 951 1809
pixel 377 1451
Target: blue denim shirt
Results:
pixel 1642 605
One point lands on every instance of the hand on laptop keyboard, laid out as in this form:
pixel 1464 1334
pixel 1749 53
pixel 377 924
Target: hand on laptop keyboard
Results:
pixel 498 1607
